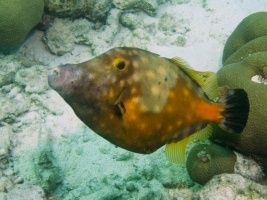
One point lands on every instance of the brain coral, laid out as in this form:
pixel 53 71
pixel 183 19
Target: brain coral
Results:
pixel 250 28
pixel 245 55
pixel 206 160
pixel 17 18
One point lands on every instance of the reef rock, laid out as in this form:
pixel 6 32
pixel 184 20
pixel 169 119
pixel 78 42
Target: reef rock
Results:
pixel 231 187
pixel 25 191
pixel 149 6
pixel 91 9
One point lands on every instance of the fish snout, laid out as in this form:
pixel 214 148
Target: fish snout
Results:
pixel 64 76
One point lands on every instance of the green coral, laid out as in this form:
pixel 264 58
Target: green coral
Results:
pixel 250 28
pixel 207 160
pixel 245 55
pixel 244 63
pixel 17 18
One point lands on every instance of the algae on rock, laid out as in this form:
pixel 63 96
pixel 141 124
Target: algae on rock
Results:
pixel 93 10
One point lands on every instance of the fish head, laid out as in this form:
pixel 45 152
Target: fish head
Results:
pixel 98 81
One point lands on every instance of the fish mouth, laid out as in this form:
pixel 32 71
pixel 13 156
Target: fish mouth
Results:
pixel 64 78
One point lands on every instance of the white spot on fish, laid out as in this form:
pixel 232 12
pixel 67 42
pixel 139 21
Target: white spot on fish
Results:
pixel 113 79
pixel 135 64
pixel 155 90
pixel 122 83
pixel 150 74
pixel 130 81
pixel 134 90
pixel 136 77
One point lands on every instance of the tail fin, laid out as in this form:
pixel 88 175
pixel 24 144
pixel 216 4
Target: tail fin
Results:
pixel 236 109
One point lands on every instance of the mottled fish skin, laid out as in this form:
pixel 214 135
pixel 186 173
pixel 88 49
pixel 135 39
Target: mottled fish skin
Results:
pixel 135 99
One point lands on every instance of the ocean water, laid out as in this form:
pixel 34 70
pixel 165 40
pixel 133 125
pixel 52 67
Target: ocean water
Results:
pixel 47 152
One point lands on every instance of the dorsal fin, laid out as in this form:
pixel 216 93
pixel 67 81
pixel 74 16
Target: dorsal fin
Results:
pixel 175 152
pixel 207 80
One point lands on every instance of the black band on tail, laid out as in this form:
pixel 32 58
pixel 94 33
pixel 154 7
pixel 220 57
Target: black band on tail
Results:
pixel 236 109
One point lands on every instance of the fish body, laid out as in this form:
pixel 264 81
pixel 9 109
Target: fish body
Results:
pixel 136 99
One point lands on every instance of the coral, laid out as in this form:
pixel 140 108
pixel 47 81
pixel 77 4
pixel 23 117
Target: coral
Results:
pixel 204 161
pixel 250 28
pixel 91 9
pixel 245 55
pixel 207 160
pixel 245 62
pixel 17 18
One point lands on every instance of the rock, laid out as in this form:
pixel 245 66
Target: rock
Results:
pixel 145 193
pixel 34 79
pixel 8 68
pixel 93 10
pixel 248 168
pixel 12 103
pixel 179 1
pixel 5 184
pixel 46 169
pixel 17 18
pixel 149 6
pixel 25 191
pixel 231 187
pixel 131 21
pixel 5 142
pixel 58 38
pixel 123 156
pixel 169 23
pixel 2 195
pixel 106 193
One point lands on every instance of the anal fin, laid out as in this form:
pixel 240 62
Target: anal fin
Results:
pixel 176 152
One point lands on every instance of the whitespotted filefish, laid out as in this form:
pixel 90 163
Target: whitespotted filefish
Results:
pixel 140 101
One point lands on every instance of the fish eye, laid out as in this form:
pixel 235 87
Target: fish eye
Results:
pixel 120 64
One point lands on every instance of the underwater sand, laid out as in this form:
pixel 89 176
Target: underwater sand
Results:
pixel 53 155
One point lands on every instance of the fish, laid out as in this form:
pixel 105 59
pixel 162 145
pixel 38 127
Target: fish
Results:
pixel 140 101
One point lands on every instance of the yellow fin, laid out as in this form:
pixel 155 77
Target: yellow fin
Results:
pixel 207 80
pixel 175 152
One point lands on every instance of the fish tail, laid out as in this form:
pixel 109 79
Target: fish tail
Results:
pixel 235 110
